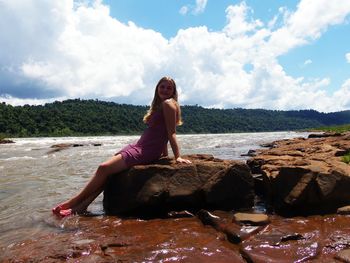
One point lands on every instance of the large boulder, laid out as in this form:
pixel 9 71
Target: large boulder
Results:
pixel 305 176
pixel 165 185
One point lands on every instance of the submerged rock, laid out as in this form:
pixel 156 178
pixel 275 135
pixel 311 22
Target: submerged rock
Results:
pixel 305 176
pixel 62 146
pixel 164 186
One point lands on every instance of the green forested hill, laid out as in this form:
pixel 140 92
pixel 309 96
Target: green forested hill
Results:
pixel 92 117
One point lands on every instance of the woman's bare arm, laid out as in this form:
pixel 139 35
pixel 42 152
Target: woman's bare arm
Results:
pixel 170 115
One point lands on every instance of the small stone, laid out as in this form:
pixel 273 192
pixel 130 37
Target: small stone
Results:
pixel 250 218
pixel 343 255
pixel 83 241
pixel 345 210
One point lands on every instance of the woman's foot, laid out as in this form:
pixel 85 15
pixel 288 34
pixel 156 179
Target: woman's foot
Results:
pixel 65 212
pixel 60 211
pixel 63 208
pixel 76 205
pixel 56 209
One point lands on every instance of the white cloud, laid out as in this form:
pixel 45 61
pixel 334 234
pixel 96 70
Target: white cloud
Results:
pixel 237 24
pixel 183 10
pixel 200 6
pixel 307 23
pixel 196 10
pixel 307 62
pixel 30 101
pixel 347 56
pixel 60 49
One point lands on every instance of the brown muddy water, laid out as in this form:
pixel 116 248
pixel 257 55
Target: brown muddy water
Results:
pixel 33 179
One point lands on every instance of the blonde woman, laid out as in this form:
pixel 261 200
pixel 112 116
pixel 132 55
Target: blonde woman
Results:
pixel 162 118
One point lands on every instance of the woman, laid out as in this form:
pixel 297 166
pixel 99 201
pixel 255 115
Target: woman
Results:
pixel 162 118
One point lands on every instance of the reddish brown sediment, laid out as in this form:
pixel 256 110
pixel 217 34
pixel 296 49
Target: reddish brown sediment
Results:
pixel 109 239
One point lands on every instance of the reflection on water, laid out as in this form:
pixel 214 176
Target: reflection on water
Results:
pixel 33 180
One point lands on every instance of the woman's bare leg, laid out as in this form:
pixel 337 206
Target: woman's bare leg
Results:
pixel 93 188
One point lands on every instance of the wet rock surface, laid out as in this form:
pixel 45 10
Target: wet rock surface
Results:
pixel 165 186
pixel 298 239
pixel 210 237
pixel 110 239
pixel 305 176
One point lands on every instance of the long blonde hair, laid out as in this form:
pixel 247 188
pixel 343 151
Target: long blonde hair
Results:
pixel 156 102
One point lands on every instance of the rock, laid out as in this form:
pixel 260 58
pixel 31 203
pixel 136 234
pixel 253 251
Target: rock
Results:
pixel 345 210
pixel 166 186
pixel 325 134
pixel 223 222
pixel 221 225
pixel 305 176
pixel 252 219
pixel 268 145
pixel 250 153
pixel 343 255
pixel 5 141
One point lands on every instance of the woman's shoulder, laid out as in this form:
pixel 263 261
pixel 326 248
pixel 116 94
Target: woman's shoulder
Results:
pixel 169 104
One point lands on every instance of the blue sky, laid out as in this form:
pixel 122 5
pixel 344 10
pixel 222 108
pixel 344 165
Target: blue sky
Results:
pixel 165 17
pixel 283 55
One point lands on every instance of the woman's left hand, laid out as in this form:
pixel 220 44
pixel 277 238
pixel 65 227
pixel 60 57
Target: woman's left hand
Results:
pixel 181 160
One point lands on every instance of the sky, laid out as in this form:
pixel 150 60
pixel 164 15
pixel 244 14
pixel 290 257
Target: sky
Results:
pixel 271 54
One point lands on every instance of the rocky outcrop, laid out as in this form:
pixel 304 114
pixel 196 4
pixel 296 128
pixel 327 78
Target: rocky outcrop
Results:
pixel 304 176
pixel 156 188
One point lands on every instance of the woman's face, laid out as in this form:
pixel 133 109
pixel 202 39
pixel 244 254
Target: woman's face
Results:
pixel 165 90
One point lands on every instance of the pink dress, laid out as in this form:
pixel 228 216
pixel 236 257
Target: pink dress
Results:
pixel 150 146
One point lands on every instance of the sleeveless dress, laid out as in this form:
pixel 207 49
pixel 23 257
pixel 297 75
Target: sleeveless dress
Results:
pixel 151 144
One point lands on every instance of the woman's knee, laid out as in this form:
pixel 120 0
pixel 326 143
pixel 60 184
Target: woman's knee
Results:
pixel 114 165
pixel 104 168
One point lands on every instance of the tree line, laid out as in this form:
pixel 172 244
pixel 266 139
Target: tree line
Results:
pixel 93 117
